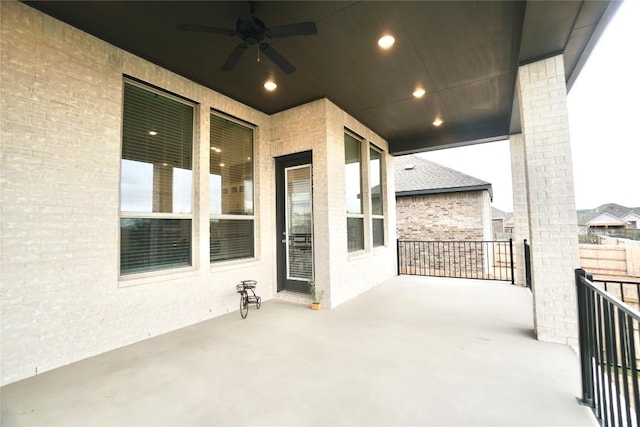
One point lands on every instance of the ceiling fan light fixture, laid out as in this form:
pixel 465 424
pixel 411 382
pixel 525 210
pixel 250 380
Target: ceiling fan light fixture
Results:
pixel 438 121
pixel 419 93
pixel 270 85
pixel 386 41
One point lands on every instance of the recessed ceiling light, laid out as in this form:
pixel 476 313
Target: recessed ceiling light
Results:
pixel 270 85
pixel 386 41
pixel 438 121
pixel 153 133
pixel 419 93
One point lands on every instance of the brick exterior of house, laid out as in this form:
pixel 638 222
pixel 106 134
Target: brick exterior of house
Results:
pixel 447 216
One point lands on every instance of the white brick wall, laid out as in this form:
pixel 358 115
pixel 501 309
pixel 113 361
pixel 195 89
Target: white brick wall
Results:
pixel 550 196
pixel 61 121
pixel 61 112
pixel 354 273
pixel 520 204
pixel 319 126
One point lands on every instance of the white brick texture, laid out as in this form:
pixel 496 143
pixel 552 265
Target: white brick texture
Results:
pixel 61 297
pixel 547 192
pixel 520 205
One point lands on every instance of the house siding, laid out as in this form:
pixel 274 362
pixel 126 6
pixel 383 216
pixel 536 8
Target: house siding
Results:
pixel 444 216
pixel 61 296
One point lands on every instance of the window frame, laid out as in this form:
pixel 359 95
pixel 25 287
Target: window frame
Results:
pixel 236 217
pixel 383 199
pixel 159 215
pixel 361 216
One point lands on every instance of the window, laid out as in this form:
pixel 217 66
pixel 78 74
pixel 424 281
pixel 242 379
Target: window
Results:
pixel 353 188
pixel 156 181
pixel 231 190
pixel 376 185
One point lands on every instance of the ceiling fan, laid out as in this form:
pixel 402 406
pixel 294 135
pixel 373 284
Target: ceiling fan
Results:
pixel 253 31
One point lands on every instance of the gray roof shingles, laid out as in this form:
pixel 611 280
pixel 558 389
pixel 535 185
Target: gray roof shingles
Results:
pixel 613 209
pixel 427 177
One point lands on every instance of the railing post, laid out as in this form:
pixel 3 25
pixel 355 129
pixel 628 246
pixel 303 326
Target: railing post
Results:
pixel 584 337
pixel 513 276
pixel 527 264
pixel 398 256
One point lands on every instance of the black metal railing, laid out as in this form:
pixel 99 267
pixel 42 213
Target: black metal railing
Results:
pixel 626 291
pixel 527 263
pixel 489 260
pixel 608 340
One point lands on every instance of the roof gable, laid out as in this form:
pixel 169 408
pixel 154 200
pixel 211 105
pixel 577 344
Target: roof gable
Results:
pixel 632 216
pixel 497 213
pixel 614 210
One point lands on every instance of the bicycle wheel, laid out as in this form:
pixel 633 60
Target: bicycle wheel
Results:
pixel 258 302
pixel 244 304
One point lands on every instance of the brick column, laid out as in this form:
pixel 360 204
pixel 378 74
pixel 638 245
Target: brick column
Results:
pixel 549 190
pixel 520 205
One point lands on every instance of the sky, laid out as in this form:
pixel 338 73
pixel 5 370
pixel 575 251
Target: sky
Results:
pixel 604 110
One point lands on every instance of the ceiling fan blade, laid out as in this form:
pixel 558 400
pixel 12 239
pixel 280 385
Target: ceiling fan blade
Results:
pixel 206 29
pixel 235 56
pixel 277 59
pixel 299 29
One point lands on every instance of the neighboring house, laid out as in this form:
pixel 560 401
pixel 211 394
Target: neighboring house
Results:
pixel 609 217
pixel 503 223
pixel 509 223
pixel 497 220
pixel 633 219
pixel 434 202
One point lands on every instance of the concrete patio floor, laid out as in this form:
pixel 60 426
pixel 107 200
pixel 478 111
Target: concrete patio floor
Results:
pixel 412 351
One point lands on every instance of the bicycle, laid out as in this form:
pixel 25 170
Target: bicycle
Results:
pixel 245 298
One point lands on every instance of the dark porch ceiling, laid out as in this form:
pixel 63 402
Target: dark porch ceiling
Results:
pixel 465 54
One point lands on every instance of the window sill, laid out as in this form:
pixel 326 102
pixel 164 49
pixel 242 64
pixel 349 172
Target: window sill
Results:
pixel 380 249
pixel 356 255
pixel 156 277
pixel 234 264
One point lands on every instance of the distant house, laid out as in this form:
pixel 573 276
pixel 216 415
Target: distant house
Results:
pixel 509 223
pixel 633 219
pixel 609 217
pixel 497 220
pixel 502 222
pixel 434 202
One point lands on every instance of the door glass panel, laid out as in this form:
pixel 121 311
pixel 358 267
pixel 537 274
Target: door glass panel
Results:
pixel 299 227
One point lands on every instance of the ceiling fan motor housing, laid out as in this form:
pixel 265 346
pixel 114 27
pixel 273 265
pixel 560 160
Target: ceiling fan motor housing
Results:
pixel 251 31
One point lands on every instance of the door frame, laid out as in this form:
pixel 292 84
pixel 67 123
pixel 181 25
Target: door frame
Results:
pixel 282 163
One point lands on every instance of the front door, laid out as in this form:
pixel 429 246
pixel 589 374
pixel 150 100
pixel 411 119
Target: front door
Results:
pixel 295 221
